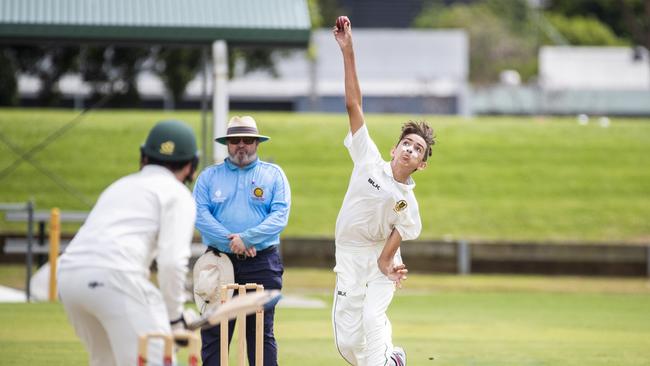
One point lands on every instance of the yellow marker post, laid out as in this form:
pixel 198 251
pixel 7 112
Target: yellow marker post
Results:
pixel 55 238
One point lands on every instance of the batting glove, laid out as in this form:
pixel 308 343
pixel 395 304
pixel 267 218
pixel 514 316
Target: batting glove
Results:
pixel 180 324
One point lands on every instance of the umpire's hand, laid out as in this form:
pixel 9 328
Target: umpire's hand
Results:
pixel 237 246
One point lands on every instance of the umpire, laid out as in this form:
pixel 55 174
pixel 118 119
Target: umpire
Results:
pixel 103 275
pixel 242 206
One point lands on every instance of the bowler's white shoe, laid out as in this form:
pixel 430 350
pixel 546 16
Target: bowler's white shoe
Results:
pixel 399 356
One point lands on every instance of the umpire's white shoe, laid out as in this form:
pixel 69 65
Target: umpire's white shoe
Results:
pixel 399 356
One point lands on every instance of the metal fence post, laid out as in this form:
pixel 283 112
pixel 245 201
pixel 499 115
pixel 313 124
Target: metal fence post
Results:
pixel 464 258
pixel 30 240
pixel 647 260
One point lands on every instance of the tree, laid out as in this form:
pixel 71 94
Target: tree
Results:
pixel 48 63
pixel 629 19
pixel 324 11
pixel 177 67
pixel 496 42
pixel 584 31
pixel 607 11
pixel 8 69
pixel 113 70
pixel 506 34
pixel 637 20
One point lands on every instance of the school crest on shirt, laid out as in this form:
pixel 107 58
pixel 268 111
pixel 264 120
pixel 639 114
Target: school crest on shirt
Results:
pixel 400 206
pixel 258 193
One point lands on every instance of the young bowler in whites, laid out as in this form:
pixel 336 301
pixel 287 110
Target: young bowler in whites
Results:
pixel 378 212
pixel 243 205
pixel 103 276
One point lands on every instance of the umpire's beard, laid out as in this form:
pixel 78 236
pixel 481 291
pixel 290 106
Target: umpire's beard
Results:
pixel 241 159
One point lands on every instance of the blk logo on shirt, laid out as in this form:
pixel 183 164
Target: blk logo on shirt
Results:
pixel 372 183
pixel 95 284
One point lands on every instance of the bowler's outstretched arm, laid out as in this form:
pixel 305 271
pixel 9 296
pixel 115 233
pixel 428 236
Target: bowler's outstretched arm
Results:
pixel 343 35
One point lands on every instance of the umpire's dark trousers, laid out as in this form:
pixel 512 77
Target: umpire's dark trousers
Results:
pixel 265 269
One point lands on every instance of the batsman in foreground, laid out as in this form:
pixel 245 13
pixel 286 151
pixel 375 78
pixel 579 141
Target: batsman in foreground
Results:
pixel 103 276
pixel 378 212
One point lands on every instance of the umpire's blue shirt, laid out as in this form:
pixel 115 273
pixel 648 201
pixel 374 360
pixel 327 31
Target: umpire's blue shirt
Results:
pixel 252 201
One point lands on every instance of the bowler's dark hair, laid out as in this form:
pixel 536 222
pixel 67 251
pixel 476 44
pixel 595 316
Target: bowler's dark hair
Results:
pixel 421 129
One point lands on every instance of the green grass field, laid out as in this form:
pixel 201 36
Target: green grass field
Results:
pixel 489 178
pixel 440 320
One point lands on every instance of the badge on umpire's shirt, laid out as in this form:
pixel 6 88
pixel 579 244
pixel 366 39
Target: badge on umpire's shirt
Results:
pixel 258 192
pixel 400 206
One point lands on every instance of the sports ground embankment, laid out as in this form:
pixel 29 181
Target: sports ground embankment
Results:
pixel 589 259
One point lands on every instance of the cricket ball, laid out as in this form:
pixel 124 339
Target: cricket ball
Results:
pixel 341 21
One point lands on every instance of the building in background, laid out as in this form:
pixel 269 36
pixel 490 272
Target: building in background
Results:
pixel 595 80
pixel 576 80
pixel 400 71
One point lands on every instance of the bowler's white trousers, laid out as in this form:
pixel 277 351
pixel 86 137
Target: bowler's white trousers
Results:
pixel 362 332
pixel 109 309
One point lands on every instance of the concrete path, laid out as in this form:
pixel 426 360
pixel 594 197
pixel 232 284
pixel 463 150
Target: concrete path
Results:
pixel 8 294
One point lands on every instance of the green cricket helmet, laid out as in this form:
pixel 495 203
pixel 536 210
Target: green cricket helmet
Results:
pixel 170 141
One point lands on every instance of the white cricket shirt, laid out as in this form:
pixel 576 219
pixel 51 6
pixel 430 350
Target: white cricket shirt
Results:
pixel 145 215
pixel 375 202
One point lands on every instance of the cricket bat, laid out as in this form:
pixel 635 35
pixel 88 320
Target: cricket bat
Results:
pixel 238 305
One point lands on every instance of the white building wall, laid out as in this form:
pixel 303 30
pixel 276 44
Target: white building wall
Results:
pixel 594 68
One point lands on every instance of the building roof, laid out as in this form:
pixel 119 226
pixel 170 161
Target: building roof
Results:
pixel 259 22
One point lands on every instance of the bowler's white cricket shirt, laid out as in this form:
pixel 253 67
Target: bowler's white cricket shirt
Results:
pixel 146 215
pixel 375 202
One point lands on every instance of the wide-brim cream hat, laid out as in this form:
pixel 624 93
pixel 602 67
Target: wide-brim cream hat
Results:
pixel 243 126
pixel 211 272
